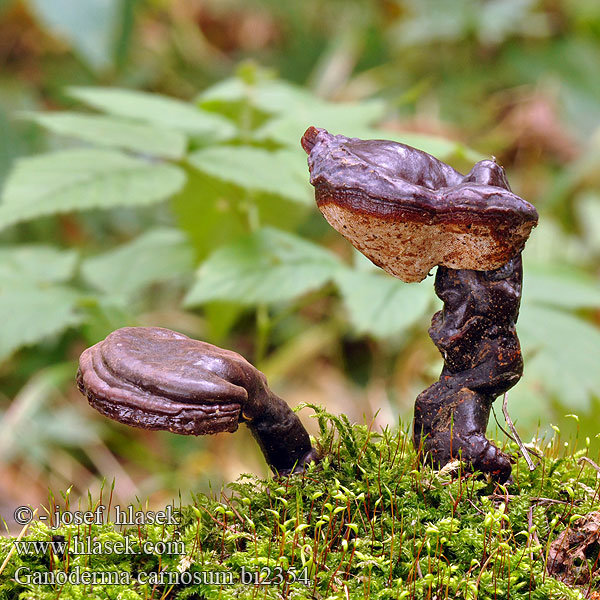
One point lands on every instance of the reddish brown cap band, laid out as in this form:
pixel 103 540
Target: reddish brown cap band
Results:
pixel 408 211
pixel 159 379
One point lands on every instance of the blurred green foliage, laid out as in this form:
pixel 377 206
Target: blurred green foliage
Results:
pixel 161 182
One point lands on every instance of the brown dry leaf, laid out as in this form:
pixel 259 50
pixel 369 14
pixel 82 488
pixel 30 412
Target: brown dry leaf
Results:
pixel 23 43
pixel 569 553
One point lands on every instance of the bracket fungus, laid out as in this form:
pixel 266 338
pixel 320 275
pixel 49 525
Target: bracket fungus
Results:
pixel 409 212
pixel 155 378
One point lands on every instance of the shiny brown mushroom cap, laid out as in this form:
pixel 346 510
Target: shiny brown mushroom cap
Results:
pixel 155 378
pixel 408 212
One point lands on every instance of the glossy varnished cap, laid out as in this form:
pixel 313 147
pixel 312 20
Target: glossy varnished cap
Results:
pixel 160 379
pixel 408 212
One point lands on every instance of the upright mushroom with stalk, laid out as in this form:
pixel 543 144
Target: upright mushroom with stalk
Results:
pixel 408 212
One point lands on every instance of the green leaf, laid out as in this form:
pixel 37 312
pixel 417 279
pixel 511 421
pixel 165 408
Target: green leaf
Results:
pixel 268 266
pixel 29 314
pixel 282 173
pixel 349 119
pixel 35 264
pixel 83 179
pixel 562 354
pixel 102 130
pixel 346 121
pixel 220 318
pixel 214 212
pixel 588 213
pixel 560 286
pixel 381 305
pixel 272 96
pixel 11 145
pixel 157 255
pixel 159 110
pixel 492 22
pixel 550 244
pixel 206 209
pixel 296 108
pixel 103 315
pixel 91 26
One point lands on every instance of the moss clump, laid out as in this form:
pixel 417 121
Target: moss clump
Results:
pixel 366 522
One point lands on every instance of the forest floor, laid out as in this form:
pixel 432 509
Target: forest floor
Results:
pixel 368 521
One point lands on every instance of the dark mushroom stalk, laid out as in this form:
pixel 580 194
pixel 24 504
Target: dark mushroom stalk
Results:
pixel 155 378
pixel 408 212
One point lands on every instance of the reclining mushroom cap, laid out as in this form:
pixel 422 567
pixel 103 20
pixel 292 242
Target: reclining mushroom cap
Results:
pixel 159 379
pixel 156 378
pixel 408 212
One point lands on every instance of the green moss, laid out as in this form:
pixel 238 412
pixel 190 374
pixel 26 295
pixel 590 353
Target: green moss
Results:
pixel 367 521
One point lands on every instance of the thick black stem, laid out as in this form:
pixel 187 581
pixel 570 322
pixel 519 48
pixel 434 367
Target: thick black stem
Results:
pixel 284 441
pixel 475 333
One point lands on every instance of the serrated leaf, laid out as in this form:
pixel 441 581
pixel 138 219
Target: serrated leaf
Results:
pixel 155 256
pixel 213 212
pixel 35 264
pixel 298 108
pixel 272 96
pixel 268 266
pixel 562 353
pixel 381 305
pixel 560 286
pixel 159 110
pixel 282 173
pixel 103 130
pixel 350 119
pixel 206 210
pixel 30 314
pixel 82 179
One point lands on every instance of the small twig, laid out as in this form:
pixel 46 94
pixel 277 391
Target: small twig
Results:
pixel 21 534
pixel 419 570
pixel 450 468
pixel 522 448
pixel 475 506
pixel 536 539
pixel 588 490
pixel 530 523
pixel 536 453
pixel 590 462
pixel 224 525
pixel 550 501
pixel 537 499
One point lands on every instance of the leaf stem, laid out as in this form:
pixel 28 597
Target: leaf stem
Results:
pixel 263 329
pixel 264 323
